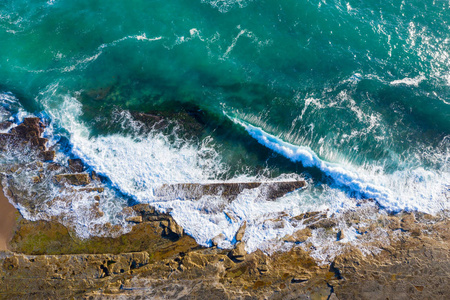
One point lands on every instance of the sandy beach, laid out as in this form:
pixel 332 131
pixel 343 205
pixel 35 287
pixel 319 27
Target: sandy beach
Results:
pixel 7 220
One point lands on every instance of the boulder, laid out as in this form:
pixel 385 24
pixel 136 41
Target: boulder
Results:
pixel 218 239
pixel 134 219
pixel 299 236
pixel 48 155
pixel 76 165
pixel 241 231
pixel 238 253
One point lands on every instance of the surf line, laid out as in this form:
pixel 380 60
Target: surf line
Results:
pixel 305 155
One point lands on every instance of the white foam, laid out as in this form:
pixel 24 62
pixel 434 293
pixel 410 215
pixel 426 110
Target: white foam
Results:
pixel 411 189
pixel 225 6
pixel 409 81
pixel 137 164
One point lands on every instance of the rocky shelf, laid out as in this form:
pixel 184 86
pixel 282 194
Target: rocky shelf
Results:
pixel 401 256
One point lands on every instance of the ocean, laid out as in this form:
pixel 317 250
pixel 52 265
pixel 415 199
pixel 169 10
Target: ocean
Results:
pixel 352 96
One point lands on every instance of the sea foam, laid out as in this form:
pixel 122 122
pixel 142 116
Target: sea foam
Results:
pixel 414 189
pixel 137 164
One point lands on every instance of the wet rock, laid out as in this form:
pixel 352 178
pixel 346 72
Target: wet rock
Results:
pixel 48 155
pixel 76 165
pixel 54 166
pixel 73 179
pixel 30 128
pixel 238 253
pixel 5 125
pixel 134 219
pixel 326 223
pixel 408 222
pixel 309 217
pixel 28 133
pixel 228 190
pixel 299 236
pixel 333 297
pixel 409 268
pixel 241 231
pixel 218 239
pixel 175 228
pixel 7 139
pixel 95 177
pixel 171 228
pixel 92 189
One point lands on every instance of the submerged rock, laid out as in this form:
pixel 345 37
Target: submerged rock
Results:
pixel 228 190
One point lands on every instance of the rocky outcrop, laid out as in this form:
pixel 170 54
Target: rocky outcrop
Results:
pixel 28 132
pixel 228 190
pixel 365 254
pixel 299 236
pixel 147 213
pixel 61 277
pixel 52 238
pixel 76 165
pixel 411 266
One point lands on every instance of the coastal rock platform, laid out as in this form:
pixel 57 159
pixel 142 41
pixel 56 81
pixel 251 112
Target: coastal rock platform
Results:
pixel 370 254
pixel 149 264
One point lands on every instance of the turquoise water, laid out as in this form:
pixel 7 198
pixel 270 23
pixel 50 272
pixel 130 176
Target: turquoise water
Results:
pixel 362 85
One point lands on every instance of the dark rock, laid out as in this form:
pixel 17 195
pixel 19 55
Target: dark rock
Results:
pixel 7 139
pixel 54 167
pixel 48 155
pixel 30 128
pixel 5 125
pixel 29 131
pixel 171 228
pixel 228 190
pixel 323 223
pixel 76 165
pixel 92 189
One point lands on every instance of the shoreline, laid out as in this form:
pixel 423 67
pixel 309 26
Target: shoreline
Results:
pixel 7 220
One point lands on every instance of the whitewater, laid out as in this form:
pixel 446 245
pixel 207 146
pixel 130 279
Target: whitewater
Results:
pixel 351 97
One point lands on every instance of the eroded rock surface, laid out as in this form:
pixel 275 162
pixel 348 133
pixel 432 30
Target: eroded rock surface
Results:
pixel 228 190
pixel 360 254
pixel 415 264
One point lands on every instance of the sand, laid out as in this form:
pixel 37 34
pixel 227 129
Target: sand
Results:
pixel 7 220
